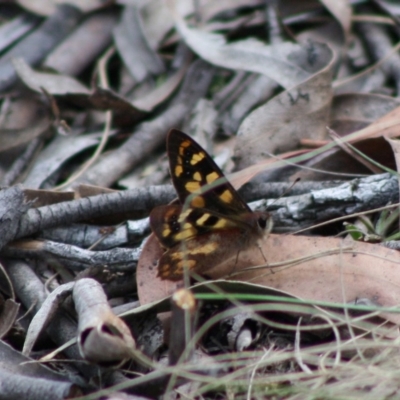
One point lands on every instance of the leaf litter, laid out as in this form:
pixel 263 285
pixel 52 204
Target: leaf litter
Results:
pixel 275 91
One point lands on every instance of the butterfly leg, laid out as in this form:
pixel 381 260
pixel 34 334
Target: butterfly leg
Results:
pixel 261 251
pixel 237 258
pixel 233 269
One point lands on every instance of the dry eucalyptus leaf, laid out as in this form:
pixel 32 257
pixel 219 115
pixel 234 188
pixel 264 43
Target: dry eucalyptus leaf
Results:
pixel 133 47
pixel 311 268
pixel 151 288
pixel 282 63
pixel 353 111
pixel 395 145
pixel 15 29
pixel 47 7
pixel 23 119
pixel 386 126
pixel 342 11
pixel 295 114
pixel 322 269
pixel 55 84
pixel 102 336
pixel 8 316
pixel 125 112
pixel 11 138
pixel 158 19
pixel 161 93
pixel 55 154
pixel 24 378
pixel 80 49
pixel 329 33
pixel 370 140
pixel 43 317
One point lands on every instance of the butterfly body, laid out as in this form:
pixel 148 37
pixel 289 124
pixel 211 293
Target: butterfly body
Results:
pixel 212 224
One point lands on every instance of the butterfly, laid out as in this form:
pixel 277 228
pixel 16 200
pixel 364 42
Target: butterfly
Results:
pixel 211 224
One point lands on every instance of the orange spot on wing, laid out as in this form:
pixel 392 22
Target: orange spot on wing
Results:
pixel 192 186
pixel 178 170
pixel 196 158
pixel 226 196
pixel 213 176
pixel 198 202
pixel 197 176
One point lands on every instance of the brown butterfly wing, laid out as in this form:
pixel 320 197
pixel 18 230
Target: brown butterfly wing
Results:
pixel 200 255
pixel 194 172
pixel 173 225
pixel 212 224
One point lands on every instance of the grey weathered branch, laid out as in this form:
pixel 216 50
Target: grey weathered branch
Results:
pixel 361 194
pixel 65 213
pixel 120 259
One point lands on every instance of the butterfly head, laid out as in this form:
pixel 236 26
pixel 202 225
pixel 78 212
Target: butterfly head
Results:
pixel 261 223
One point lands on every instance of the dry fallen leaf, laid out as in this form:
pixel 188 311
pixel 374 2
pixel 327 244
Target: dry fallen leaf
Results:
pixel 311 268
pixel 279 125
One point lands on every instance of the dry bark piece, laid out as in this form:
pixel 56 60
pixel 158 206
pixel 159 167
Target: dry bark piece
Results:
pixel 40 198
pixel 48 7
pixel 55 84
pixel 275 62
pixel 103 338
pixel 83 191
pixel 82 46
pixel 12 206
pixel 69 89
pixel 50 160
pixel 21 163
pixel 19 26
pixel 27 286
pixel 244 330
pixel 133 47
pixel 24 120
pixel 117 259
pixel 23 379
pixel 90 190
pixel 45 314
pixel 32 293
pixel 342 11
pixel 255 92
pixel 8 316
pixel 39 43
pixel 126 113
pixel 378 41
pixel 161 93
pixel 273 190
pixel 85 236
pixel 148 136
